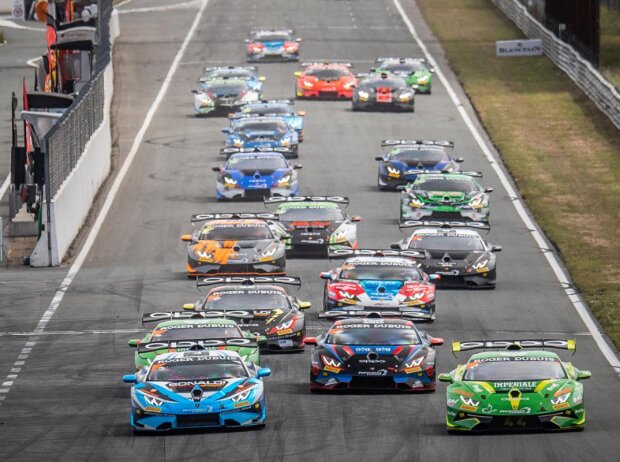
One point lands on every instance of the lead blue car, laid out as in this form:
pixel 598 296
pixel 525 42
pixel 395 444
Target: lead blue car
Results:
pixel 197 389
pixel 281 108
pixel 406 159
pixel 262 132
pixel 256 174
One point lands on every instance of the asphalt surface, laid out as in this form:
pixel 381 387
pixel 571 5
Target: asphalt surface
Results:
pixel 68 402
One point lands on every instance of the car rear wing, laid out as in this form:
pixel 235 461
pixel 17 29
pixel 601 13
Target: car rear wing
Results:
pixel 160 316
pixel 444 143
pixel 196 344
pixel 328 62
pixel 270 31
pixel 219 68
pixel 399 314
pixel 279 200
pixel 345 253
pixel 233 216
pixel 513 344
pixel 443 224
pixel 248 281
pixel 248 115
pixel 399 58
pixel 233 150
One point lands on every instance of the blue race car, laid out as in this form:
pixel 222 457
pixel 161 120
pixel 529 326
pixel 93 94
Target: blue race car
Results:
pixel 262 132
pixel 194 389
pixel 247 73
pixel 408 158
pixel 256 174
pixel 282 108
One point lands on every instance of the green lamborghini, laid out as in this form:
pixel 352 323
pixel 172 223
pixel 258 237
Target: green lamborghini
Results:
pixel 514 389
pixel 415 71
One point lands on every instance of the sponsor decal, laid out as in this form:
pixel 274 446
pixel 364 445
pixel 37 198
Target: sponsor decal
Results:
pixel 335 370
pixel 411 370
pixel 467 407
pixel 561 406
pixel 380 372
pixel 451 402
pixel 524 410
pixel 241 404
pixel 285 332
pixel 152 409
pixel 489 409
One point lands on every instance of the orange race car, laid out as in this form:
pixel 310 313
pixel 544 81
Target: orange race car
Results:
pixel 325 80
pixel 236 244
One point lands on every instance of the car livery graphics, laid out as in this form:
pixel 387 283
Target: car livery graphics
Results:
pixel 272 45
pixel 383 91
pixel 325 81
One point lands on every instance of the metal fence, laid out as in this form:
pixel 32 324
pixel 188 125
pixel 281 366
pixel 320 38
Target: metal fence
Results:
pixel 598 89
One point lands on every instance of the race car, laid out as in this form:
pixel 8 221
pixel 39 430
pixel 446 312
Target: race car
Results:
pixel 258 305
pixel 193 389
pixel 235 243
pixel 373 353
pixel 406 159
pixel 223 95
pixel 262 132
pixel 380 280
pixel 175 331
pixel 445 197
pixel 255 175
pixel 325 80
pixel 460 256
pixel 272 45
pixel 281 108
pixel 515 389
pixel 316 224
pixel 383 91
pixel 414 70
pixel 247 73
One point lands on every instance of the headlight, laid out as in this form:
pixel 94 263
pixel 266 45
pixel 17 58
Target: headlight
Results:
pixel 346 295
pixel 408 95
pixel 560 399
pixel 414 363
pixel 229 182
pixel 237 142
pixel 286 325
pixel 203 98
pixel 423 81
pixel 269 252
pixel 348 85
pixel 257 49
pixel 415 203
pixel 331 362
pixel 416 296
pixel 204 255
pixel 481 265
pixel 363 94
pixel 284 181
pixel 339 236
pixel 241 396
pixel 249 97
pixel 285 141
pixel 469 401
pixel 153 401
pixel 393 171
pixel 307 84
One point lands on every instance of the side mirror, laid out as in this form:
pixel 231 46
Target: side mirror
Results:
pixel 356 219
pixel 246 41
pixel 379 158
pixel 133 343
pixel 189 306
pixel 459 159
pixel 298 166
pixel 262 78
pixel 395 245
pixel 186 238
pixel 297 73
pixel 584 375
pixel 326 275
pixel 434 277
pixel 445 378
pixel 130 378
pixel 496 248
pixel 488 190
pixel 432 70
pixel 261 339
pixel 437 341
pixel 263 372
pixel 310 341
pixel 304 305
pixel 298 40
pixel 216 169
pixel 374 69
pixel 352 87
pixel 301 113
pixel 226 130
pixel 195 92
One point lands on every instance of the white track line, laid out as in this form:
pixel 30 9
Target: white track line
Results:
pixel 105 209
pixel 560 274
pixel 151 9
pixel 5 186
pixel 123 3
pixel 11 25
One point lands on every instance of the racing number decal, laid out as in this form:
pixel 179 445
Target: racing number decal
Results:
pixel 510 422
pixel 384 95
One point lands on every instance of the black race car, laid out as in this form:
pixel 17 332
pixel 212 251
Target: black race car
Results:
pixel 460 256
pixel 372 353
pixel 383 91
pixel 258 305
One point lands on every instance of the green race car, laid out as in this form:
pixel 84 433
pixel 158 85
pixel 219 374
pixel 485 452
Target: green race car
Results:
pixel 193 331
pixel 515 389
pixel 445 197
pixel 415 71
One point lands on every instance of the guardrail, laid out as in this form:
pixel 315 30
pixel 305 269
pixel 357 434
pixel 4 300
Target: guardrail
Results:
pixel 590 80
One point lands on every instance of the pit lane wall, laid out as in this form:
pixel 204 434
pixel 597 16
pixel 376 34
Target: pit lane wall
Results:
pixel 73 200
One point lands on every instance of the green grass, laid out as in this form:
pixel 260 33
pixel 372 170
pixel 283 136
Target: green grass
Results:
pixel 562 152
pixel 610 44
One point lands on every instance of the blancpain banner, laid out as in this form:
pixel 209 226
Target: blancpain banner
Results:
pixel 519 47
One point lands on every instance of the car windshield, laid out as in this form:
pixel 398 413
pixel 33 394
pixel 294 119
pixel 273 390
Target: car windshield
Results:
pixel 372 336
pixel 248 300
pixel 275 126
pixel 273 37
pixel 238 73
pixel 448 185
pixel 282 110
pixel 447 243
pixel 403 67
pixel 380 272
pixel 312 214
pixel 225 87
pixel 189 332
pixel 195 369
pixel 497 369
pixel 260 162
pixel 241 232
pixel 382 83
pixel 419 155
pixel 326 73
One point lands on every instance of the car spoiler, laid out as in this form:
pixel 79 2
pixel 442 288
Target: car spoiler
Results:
pixel 400 314
pixel 444 143
pixel 279 200
pixel 232 216
pixel 233 150
pixel 513 344
pixel 345 253
pixel 443 224
pixel 159 316
pixel 196 344
pixel 399 58
pixel 248 281
pixel 219 68
pixel 328 62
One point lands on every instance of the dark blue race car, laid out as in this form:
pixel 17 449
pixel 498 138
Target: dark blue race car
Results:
pixel 262 132
pixel 408 158
pixel 372 353
pixel 282 108
pixel 256 175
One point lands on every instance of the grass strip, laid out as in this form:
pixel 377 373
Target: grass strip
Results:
pixel 610 44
